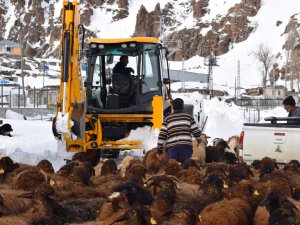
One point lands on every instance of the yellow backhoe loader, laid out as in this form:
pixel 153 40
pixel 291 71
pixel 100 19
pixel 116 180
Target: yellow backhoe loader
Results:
pixel 97 108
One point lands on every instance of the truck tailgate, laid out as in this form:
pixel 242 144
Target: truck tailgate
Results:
pixel 280 142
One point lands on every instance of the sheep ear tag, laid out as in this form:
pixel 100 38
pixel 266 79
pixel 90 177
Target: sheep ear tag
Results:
pixel 153 221
pixel 225 186
pixel 256 193
pixel 52 182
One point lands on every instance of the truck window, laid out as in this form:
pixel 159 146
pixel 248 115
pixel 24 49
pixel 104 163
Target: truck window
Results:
pixel 150 70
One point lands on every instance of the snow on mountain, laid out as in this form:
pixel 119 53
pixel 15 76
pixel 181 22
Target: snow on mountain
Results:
pixel 39 22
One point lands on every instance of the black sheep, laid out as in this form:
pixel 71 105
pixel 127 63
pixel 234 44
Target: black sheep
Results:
pixel 216 153
pixel 5 130
pixel 135 193
pixel 212 188
pixel 281 210
pixel 230 158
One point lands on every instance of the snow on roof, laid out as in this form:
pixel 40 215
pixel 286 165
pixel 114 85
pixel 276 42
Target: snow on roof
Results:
pixel 10 43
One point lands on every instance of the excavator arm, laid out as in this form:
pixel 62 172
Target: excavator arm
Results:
pixel 70 119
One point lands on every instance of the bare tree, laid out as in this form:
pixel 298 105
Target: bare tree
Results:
pixel 264 55
pixel 295 66
pixel 292 56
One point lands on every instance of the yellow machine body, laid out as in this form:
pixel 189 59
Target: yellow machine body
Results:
pixel 72 103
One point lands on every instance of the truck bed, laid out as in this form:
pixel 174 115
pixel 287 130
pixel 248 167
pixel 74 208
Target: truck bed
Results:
pixel 280 141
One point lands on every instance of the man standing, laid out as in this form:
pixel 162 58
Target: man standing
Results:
pixel 177 130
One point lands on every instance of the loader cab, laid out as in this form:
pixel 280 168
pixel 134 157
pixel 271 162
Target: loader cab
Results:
pixel 131 91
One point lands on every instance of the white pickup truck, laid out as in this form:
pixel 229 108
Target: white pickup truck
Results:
pixel 279 139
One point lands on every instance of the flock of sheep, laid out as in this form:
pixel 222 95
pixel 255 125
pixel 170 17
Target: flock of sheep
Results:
pixel 212 188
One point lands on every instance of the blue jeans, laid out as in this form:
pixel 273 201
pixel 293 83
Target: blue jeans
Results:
pixel 180 153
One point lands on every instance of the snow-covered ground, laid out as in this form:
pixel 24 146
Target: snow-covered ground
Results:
pixel 33 141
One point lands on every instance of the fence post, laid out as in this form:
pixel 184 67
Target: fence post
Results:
pixel 10 99
pixel 2 94
pixel 37 99
pixel 34 97
pixel 47 98
pixel 19 92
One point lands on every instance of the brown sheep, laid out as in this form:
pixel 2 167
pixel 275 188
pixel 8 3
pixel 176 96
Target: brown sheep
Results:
pixel 173 168
pixel 161 208
pixel 293 180
pixel 239 172
pixel 46 166
pixel 182 213
pixel 106 184
pixel 191 175
pixel 155 184
pixel 211 189
pixel 116 202
pixel 125 163
pixel 135 172
pixel 220 169
pixel 106 166
pixel 152 164
pixel 29 179
pixel 6 166
pixel 77 171
pixel 238 212
pixel 234 142
pixel 11 203
pixel 267 166
pixel 37 203
pixel 199 152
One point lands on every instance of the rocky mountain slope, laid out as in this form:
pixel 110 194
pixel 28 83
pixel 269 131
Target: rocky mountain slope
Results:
pixel 37 23
pixel 188 24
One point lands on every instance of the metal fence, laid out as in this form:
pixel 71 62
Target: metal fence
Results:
pixel 259 103
pixel 251 115
pixel 12 97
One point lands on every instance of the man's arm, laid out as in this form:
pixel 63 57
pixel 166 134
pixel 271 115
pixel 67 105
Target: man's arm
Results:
pixel 195 130
pixel 162 137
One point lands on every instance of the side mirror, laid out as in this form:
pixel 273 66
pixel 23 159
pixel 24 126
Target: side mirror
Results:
pixel 166 80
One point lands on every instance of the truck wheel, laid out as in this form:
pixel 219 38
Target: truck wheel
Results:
pixel 93 156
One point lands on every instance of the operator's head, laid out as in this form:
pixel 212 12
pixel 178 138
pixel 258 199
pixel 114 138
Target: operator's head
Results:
pixel 177 104
pixel 289 104
pixel 124 59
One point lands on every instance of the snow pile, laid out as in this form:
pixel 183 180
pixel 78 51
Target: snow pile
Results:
pixel 33 140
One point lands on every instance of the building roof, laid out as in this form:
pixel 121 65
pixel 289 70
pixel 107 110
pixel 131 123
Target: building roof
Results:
pixel 9 43
pixel 124 40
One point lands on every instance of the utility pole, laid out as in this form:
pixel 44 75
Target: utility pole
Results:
pixel 210 61
pixel 22 70
pixel 182 72
pixel 43 74
pixel 162 29
pixel 238 80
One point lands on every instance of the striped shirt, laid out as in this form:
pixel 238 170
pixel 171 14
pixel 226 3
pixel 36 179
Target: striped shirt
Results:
pixel 177 130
